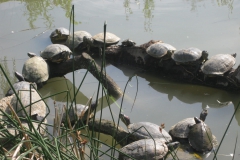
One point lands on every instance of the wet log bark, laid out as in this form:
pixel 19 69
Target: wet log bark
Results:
pixel 84 61
pixel 137 56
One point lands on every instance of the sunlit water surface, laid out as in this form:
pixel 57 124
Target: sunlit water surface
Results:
pixel 211 25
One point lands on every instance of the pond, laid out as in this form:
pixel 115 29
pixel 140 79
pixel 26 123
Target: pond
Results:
pixel 209 25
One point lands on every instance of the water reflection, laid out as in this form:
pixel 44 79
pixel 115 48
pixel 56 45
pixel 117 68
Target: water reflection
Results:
pixel 4 85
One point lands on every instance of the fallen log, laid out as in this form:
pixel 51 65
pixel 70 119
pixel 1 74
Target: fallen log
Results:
pixel 137 56
pixel 84 61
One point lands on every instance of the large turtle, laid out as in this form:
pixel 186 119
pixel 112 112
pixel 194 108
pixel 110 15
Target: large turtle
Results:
pixel 19 86
pixel 190 56
pixel 200 136
pixel 144 130
pixel 36 70
pixel 76 41
pixel 161 50
pixel 218 64
pixel 56 53
pixel 98 39
pixel 181 129
pixel 150 149
pixel 59 35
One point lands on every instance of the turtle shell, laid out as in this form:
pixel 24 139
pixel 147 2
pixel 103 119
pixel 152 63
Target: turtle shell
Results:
pixel 218 64
pixel 36 108
pixel 200 136
pixel 187 55
pixel 59 34
pixel 144 149
pixel 158 50
pixel 35 69
pixel 23 85
pixel 109 40
pixel 56 53
pixel 141 130
pixel 78 39
pixel 181 129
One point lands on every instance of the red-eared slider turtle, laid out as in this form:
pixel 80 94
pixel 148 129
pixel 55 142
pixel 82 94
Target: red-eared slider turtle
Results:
pixel 35 69
pixel 161 50
pixel 78 39
pixel 98 39
pixel 59 35
pixel 181 129
pixel 218 64
pixel 37 105
pixel 128 43
pixel 79 112
pixel 200 136
pixel 150 149
pixel 56 53
pixel 141 130
pixel 189 56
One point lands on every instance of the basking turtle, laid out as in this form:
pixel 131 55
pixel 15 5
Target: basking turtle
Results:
pixel 161 50
pixel 141 130
pixel 81 112
pixel 56 53
pixel 200 136
pixel 76 43
pixel 35 69
pixel 190 56
pixel 150 149
pixel 128 43
pixel 37 105
pixel 218 64
pixel 59 35
pixel 98 40
pixel 181 129
pixel 21 85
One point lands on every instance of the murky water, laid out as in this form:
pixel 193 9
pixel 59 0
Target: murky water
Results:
pixel 211 25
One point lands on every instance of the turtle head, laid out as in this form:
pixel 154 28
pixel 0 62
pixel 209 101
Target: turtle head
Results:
pixel 197 120
pixel 204 55
pixel 234 55
pixel 203 115
pixel 173 145
pixel 19 76
pixel 31 54
pixel 125 119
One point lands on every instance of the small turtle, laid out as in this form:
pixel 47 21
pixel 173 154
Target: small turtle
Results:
pixel 150 149
pixel 59 35
pixel 81 112
pixel 161 50
pixel 76 43
pixel 56 53
pixel 218 64
pixel 98 40
pixel 142 130
pixel 181 129
pixel 190 56
pixel 35 69
pixel 128 43
pixel 200 136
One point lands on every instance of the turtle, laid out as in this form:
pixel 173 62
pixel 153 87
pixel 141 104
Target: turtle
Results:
pixel 181 129
pixel 21 85
pixel 78 39
pixel 36 70
pixel 144 130
pixel 150 149
pixel 128 43
pixel 98 40
pixel 59 35
pixel 80 111
pixel 28 97
pixel 218 64
pixel 161 50
pixel 56 53
pixel 200 136
pixel 190 56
